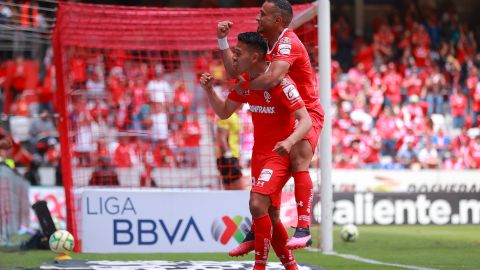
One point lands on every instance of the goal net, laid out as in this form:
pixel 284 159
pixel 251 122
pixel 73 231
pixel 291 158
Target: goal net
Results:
pixel 132 113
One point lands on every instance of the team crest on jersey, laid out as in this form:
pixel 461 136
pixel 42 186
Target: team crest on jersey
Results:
pixel 265 175
pixel 285 40
pixel 267 96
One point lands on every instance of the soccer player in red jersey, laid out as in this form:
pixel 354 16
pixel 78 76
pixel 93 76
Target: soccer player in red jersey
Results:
pixel 280 119
pixel 287 55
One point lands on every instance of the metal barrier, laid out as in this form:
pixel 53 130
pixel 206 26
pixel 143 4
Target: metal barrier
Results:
pixel 14 204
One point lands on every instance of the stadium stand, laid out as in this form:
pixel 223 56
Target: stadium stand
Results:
pixel 408 97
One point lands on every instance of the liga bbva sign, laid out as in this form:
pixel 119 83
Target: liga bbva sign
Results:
pixel 153 221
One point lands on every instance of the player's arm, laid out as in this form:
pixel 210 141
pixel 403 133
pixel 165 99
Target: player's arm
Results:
pixel 223 108
pixel 227 56
pixel 272 77
pixel 303 127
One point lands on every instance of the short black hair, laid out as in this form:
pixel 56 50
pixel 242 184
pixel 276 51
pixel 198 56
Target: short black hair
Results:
pixel 255 41
pixel 285 8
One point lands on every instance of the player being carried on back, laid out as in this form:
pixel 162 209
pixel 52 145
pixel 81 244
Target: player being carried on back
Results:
pixel 280 120
pixel 286 55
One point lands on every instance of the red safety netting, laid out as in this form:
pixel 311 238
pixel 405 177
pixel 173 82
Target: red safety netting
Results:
pixel 132 112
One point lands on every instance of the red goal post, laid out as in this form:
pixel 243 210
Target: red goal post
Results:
pixel 129 99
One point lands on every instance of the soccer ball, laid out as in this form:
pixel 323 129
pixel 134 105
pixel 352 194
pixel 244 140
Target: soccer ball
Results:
pixel 61 241
pixel 349 233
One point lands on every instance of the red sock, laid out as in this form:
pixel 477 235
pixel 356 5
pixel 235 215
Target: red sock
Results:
pixel 263 236
pixel 304 197
pixel 279 239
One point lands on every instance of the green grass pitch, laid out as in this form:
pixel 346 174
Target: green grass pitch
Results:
pixel 437 247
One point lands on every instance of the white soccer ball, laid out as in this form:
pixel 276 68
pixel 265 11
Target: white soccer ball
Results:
pixel 349 233
pixel 61 241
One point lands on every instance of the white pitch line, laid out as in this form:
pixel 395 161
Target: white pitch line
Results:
pixel 370 261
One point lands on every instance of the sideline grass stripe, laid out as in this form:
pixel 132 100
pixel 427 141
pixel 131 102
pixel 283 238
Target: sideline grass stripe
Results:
pixel 370 261
pixel 165 265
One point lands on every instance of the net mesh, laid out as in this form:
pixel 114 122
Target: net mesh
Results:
pixel 132 111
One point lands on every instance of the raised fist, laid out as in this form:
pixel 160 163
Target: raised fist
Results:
pixel 206 81
pixel 223 28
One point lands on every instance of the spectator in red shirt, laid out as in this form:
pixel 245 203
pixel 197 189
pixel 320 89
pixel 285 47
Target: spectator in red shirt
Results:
pixel 476 106
pixel 414 86
pixel 122 156
pixel 387 128
pixel 78 71
pixel 412 111
pixel 458 103
pixel 474 153
pixel 181 104
pixel 19 76
pixel 370 149
pixel 192 135
pixel 162 155
pixel 453 161
pixel 392 82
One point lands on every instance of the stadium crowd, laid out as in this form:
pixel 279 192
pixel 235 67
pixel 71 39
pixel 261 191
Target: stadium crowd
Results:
pixel 409 98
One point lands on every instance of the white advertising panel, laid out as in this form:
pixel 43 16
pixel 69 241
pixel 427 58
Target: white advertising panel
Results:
pixel 403 180
pixel 152 221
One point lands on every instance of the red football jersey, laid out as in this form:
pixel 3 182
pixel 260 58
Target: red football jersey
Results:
pixel 271 113
pixel 290 49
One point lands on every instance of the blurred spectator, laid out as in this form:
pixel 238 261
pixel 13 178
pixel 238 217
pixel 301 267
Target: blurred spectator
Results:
pixel 453 162
pixel 42 132
pixel 42 127
pixel 5 13
pixel 46 91
pixel 104 174
pixel 246 137
pixel 32 174
pixel 5 150
pixel 84 143
pixel 407 154
pixel 146 179
pixel 428 156
pixel 192 136
pixel 228 141
pixel 181 105
pixel 95 85
pixel 163 156
pixel 159 89
pixel 458 103
pixel 392 82
pixel 123 154
pixel 159 122
pixel 474 153
pixel 387 128
pixel 441 141
pixel 19 77
pixel 78 69
pixel 476 106
pixel 435 92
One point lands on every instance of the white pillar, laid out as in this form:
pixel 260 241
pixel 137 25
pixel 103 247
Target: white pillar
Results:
pixel 359 16
pixel 324 73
